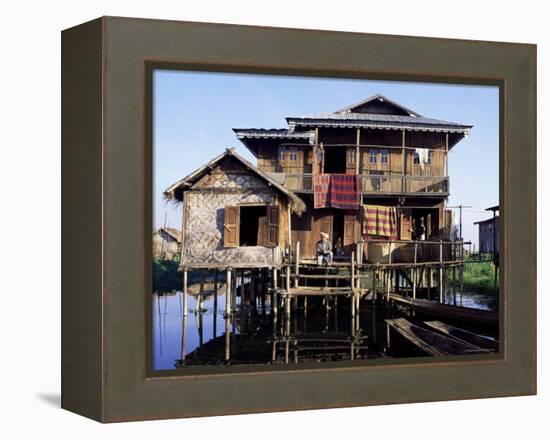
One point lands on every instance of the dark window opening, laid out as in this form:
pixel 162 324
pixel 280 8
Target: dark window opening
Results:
pixel 252 225
pixel 335 160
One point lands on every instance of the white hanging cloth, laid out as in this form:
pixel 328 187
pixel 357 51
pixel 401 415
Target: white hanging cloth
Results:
pixel 423 156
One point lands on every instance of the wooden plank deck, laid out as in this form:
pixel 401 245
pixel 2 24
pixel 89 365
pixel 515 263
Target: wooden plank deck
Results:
pixel 464 335
pixel 447 311
pixel 432 343
pixel 317 291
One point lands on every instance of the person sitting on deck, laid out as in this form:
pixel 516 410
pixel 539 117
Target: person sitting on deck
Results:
pixel 324 249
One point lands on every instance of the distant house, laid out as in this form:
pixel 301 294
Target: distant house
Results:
pixel 166 243
pixel 489 234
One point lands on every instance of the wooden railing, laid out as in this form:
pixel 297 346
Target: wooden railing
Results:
pixel 371 183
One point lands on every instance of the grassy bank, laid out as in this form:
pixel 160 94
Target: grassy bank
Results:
pixel 166 277
pixel 479 277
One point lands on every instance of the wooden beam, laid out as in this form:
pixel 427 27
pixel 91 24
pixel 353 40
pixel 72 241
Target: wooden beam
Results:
pixel 357 143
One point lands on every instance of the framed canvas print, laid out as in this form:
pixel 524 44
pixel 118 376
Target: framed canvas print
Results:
pixel 324 219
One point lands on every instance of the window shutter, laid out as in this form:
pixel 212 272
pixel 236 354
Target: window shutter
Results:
pixel 272 227
pixel 231 226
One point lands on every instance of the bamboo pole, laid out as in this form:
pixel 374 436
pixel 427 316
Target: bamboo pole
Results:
pixel 374 286
pixel 352 271
pixel 274 298
pixel 228 292
pixel 287 281
pixel 441 287
pixel 389 277
pixel 357 156
pixel 297 267
pixel 227 336
pixel 404 164
pixel 183 338
pixel 185 287
pixel 414 274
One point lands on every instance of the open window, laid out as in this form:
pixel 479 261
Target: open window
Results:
pixel 251 225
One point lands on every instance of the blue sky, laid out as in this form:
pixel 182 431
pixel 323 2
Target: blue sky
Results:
pixel 194 113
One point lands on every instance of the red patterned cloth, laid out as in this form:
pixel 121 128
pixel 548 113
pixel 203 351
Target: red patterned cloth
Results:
pixel 336 191
pixel 344 191
pixel 321 186
pixel 380 222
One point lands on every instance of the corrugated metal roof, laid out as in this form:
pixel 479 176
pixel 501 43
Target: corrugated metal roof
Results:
pixel 372 120
pixel 377 97
pixel 272 133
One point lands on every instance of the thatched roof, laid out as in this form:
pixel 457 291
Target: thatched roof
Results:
pixel 172 232
pixel 175 191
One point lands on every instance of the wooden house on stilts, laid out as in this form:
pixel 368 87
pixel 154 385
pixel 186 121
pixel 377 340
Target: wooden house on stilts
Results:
pixel 373 176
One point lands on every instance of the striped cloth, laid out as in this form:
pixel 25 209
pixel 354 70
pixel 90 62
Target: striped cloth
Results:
pixel 344 191
pixel 336 191
pixel 380 221
pixel 321 187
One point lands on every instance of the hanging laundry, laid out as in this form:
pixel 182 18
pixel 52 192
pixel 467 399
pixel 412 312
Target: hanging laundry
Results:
pixel 423 156
pixel 321 186
pixel 380 221
pixel 344 191
pixel 336 191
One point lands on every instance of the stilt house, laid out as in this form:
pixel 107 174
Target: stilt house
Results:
pixel 373 172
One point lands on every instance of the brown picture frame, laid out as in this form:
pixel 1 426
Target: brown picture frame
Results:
pixel 107 192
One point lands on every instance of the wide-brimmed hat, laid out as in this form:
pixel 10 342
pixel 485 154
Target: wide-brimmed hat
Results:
pixel 324 235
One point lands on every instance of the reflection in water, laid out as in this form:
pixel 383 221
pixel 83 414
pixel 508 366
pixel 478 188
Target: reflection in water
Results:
pixel 319 329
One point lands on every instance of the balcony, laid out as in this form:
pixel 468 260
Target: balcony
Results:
pixel 374 184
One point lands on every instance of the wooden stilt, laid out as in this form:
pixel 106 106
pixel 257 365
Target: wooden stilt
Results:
pixel 227 336
pixel 441 286
pixel 228 292
pixel 183 338
pixel 185 287
pixel 415 270
pixel 253 288
pixel 297 267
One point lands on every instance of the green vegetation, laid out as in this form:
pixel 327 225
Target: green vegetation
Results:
pixel 479 277
pixel 166 277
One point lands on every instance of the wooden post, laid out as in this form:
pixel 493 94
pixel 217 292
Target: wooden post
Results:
pixel 289 220
pixel 429 281
pixel 215 291
pixel 352 271
pixel 253 282
pixel 357 155
pixel 287 281
pixel 241 302
pixel 447 155
pixel 228 292
pixel 373 286
pixel 234 291
pixel 414 274
pixel 404 161
pixel 274 298
pixel 297 274
pixel 185 287
pixel 183 338
pixel 389 278
pixel 441 293
pixel 227 334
